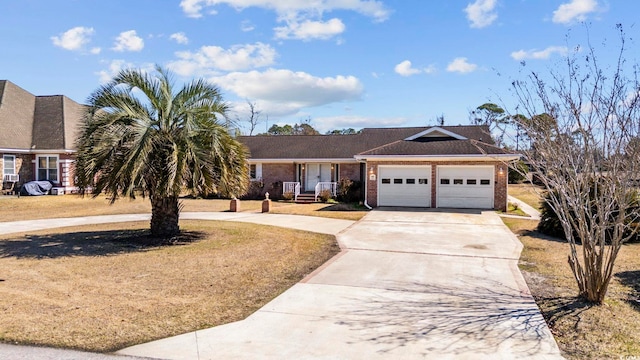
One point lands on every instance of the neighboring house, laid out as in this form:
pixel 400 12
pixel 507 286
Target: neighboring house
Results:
pixel 434 166
pixel 37 135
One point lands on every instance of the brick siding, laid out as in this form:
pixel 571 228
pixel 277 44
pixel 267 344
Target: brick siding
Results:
pixel 350 171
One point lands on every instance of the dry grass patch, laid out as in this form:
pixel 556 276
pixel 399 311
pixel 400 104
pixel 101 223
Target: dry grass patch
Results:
pixel 48 207
pixel 526 193
pixel 609 331
pixel 334 211
pixel 103 287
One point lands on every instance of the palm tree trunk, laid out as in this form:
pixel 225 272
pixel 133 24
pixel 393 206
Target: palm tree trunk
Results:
pixel 164 216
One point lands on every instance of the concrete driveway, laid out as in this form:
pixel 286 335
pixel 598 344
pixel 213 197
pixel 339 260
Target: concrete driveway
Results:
pixel 409 284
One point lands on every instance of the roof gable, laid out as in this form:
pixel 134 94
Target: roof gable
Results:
pixel 35 123
pixel 17 107
pixel 436 133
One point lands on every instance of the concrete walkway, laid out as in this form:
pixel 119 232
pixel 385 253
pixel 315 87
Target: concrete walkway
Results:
pixel 306 223
pixel 528 209
pixel 408 284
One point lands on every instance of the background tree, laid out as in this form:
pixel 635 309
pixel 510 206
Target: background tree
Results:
pixel 493 116
pixel 297 129
pixel 304 129
pixel 254 116
pixel 343 131
pixel 590 115
pixel 143 135
pixel 276 129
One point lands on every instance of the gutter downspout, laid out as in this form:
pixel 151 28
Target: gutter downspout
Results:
pixel 366 181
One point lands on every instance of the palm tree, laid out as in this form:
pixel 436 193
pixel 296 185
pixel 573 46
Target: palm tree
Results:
pixel 143 137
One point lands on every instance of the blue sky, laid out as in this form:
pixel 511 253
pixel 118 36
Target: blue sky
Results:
pixel 341 63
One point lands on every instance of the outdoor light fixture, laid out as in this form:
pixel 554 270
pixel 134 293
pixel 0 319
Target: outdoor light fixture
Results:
pixel 501 171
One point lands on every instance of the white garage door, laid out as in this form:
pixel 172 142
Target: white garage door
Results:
pixel 467 187
pixel 404 186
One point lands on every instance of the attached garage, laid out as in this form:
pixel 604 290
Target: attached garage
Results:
pixel 467 187
pixel 408 186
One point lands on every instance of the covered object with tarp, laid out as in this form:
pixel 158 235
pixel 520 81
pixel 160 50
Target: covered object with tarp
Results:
pixel 36 188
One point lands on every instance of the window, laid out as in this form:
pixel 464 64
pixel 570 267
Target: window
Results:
pixel 386 181
pixel 255 171
pixel 9 167
pixel 485 182
pixel 423 181
pixel 471 181
pixel 48 168
pixel 457 182
pixel 397 181
pixel 444 181
pixel 411 181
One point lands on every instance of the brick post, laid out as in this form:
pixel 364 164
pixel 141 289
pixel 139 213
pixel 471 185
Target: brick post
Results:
pixel 266 203
pixel 234 205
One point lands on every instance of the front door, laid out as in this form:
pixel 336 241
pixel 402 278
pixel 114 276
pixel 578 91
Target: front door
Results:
pixel 317 173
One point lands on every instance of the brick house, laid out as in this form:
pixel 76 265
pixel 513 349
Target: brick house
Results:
pixel 37 135
pixel 434 166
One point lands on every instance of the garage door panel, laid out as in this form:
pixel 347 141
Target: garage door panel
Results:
pixel 404 186
pixel 465 187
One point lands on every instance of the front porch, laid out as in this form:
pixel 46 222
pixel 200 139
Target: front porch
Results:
pixel 293 188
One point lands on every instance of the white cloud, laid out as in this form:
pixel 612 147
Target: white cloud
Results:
pixel 293 8
pixel 574 10
pixel 307 30
pixel 324 124
pixel 285 92
pixel 481 13
pixel 73 39
pixel 180 38
pixel 302 19
pixel 405 69
pixel 539 54
pixel 95 50
pixel 128 41
pixel 461 65
pixel 214 58
pixel 247 25
pixel 115 66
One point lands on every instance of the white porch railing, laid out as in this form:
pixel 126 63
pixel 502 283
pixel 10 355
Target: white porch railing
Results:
pixel 326 185
pixel 291 187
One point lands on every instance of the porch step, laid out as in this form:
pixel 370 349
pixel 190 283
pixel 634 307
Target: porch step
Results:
pixel 306 198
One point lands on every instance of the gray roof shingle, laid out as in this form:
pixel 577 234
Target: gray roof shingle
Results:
pixel 382 141
pixel 30 122
pixel 17 107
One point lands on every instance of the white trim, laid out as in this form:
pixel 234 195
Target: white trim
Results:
pixel 303 160
pixel 438 129
pixel 15 151
pixel 497 157
pixel 38 151
pixel 258 172
pixel 3 165
pixel 58 180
